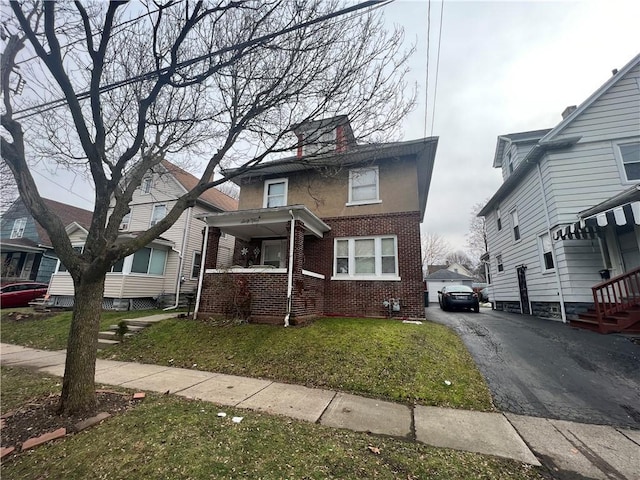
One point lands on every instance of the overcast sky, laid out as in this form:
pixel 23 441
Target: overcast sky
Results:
pixel 504 67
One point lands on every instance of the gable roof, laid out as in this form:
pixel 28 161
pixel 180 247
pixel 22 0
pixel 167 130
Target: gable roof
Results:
pixel 531 136
pixel 212 197
pixel 423 149
pixel 589 101
pixel 68 214
pixel 550 141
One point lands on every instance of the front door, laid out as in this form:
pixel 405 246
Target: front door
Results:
pixel 524 294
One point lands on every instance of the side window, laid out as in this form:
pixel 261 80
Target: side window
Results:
pixel 630 155
pixel 499 263
pixel 499 221
pixel 147 184
pixel 159 212
pixel 515 224
pixel 195 267
pixel 547 253
pixel 124 224
pixel 19 225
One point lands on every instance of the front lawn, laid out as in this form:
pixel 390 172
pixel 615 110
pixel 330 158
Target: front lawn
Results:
pixel 372 357
pixel 49 331
pixel 170 437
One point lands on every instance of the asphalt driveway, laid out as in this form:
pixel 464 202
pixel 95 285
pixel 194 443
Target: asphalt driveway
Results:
pixel 547 369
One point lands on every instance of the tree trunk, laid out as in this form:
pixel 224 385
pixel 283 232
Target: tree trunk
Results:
pixel 78 387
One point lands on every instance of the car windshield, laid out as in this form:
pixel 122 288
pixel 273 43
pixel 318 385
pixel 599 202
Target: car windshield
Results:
pixel 459 289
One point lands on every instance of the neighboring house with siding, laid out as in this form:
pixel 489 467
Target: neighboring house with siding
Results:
pixel 334 230
pixel 25 247
pixel 169 266
pixel 567 213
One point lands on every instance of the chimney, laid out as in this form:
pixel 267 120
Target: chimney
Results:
pixel 568 111
pixel 614 72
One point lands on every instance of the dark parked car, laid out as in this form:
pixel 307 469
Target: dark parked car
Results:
pixel 458 296
pixel 20 294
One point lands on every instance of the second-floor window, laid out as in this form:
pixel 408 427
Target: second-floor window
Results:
pixel 516 225
pixel 499 263
pixel 275 193
pixel 499 221
pixel 630 154
pixel 159 212
pixel 147 185
pixel 19 225
pixel 126 220
pixel 364 185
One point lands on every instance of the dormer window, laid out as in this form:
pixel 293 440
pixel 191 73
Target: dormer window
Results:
pixel 19 225
pixel 319 142
pixel 147 184
pixel 275 192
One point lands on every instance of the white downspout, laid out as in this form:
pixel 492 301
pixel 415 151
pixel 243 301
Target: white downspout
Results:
pixel 203 257
pixel 563 313
pixel 290 269
pixel 181 261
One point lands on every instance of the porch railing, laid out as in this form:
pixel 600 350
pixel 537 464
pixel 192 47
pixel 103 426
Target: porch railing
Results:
pixel 617 294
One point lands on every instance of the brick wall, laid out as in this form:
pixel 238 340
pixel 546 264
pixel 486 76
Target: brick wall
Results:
pixel 364 298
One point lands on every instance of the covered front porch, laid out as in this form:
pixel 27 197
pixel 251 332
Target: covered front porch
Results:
pixel 273 277
pixel 614 226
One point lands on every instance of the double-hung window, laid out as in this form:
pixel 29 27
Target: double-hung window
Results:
pixel 124 224
pixel 499 220
pixel 515 224
pixel 19 225
pixel 547 253
pixel 275 193
pixel 159 212
pixel 499 263
pixel 147 185
pixel 630 156
pixel 366 258
pixel 195 267
pixel 364 186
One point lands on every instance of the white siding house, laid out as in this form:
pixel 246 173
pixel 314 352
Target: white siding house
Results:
pixel 166 269
pixel 567 214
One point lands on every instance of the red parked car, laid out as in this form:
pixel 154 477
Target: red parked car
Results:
pixel 20 294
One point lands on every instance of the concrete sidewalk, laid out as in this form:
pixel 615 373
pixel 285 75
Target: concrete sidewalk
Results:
pixel 567 448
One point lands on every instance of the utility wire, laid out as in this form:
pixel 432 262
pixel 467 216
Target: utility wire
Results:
pixel 435 87
pixel 67 189
pixel 426 88
pixel 187 63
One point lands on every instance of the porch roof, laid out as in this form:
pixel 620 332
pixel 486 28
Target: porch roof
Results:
pixel 265 222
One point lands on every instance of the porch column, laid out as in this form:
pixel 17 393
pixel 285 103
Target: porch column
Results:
pixel 297 307
pixel 211 259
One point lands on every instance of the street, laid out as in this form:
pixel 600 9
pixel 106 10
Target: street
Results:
pixel 545 368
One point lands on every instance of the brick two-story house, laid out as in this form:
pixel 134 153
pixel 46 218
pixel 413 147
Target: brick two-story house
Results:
pixel 334 230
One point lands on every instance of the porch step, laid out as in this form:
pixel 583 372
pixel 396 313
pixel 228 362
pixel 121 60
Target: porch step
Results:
pixel 621 322
pixel 134 325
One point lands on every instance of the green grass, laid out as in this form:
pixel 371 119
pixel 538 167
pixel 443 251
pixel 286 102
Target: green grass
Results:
pixel 168 437
pixel 372 357
pixel 50 333
pixel 20 385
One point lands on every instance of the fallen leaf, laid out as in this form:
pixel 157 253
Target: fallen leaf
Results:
pixel 373 449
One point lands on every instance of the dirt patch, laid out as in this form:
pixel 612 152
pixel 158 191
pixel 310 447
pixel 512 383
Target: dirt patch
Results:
pixel 39 416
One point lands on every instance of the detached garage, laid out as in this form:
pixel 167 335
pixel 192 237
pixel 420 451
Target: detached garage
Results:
pixel 443 277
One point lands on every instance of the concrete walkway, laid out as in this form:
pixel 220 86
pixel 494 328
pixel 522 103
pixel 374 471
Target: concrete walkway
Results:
pixel 567 448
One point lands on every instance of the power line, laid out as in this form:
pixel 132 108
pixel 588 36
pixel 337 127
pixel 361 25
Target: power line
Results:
pixel 435 87
pixel 426 88
pixel 67 189
pixel 187 63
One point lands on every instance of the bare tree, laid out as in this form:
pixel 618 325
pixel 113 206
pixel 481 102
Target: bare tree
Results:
pixel 222 81
pixel 462 258
pixel 434 250
pixel 477 236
